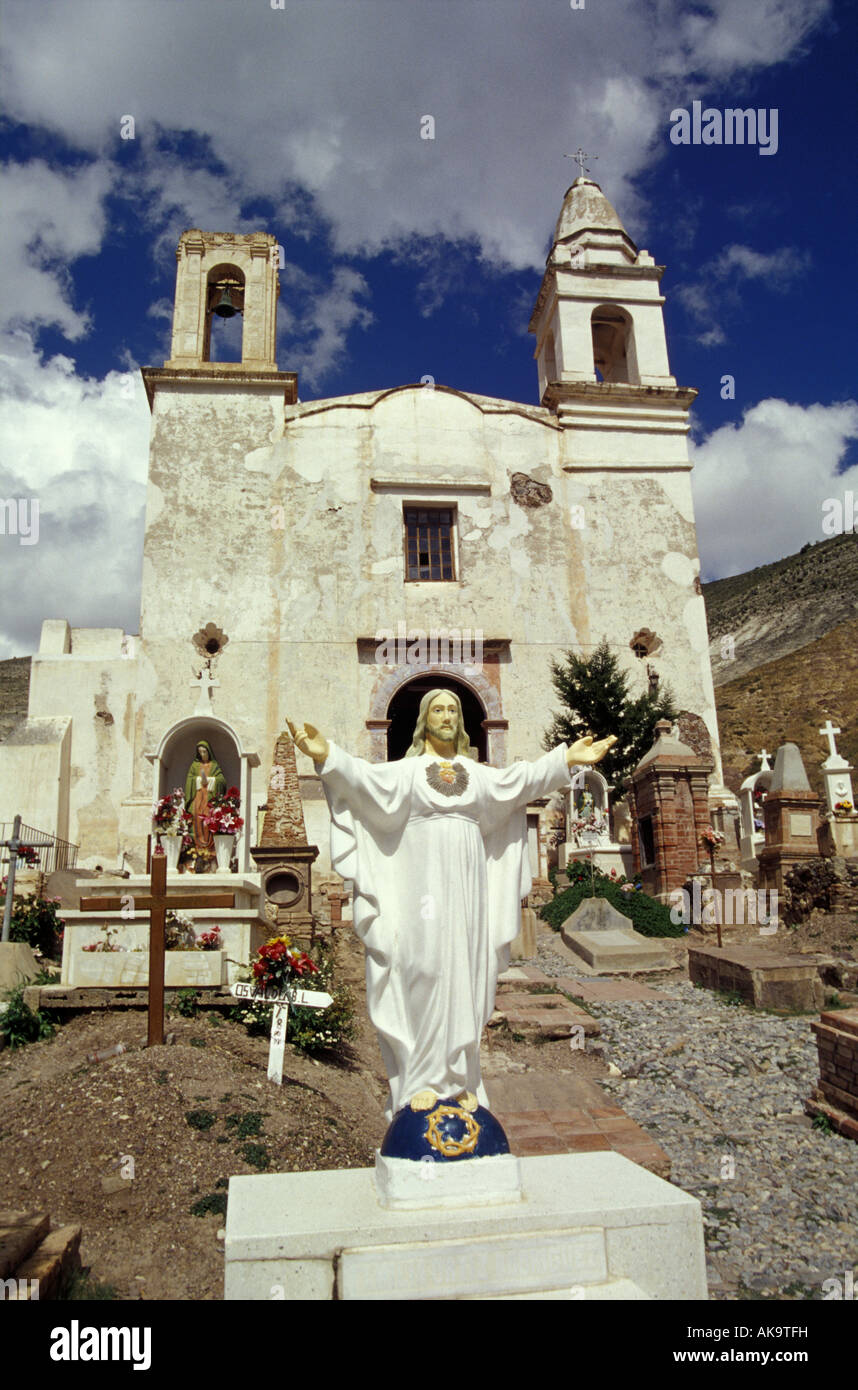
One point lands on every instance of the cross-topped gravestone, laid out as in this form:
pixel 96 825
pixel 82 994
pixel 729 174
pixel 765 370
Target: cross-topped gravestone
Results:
pixel 13 846
pixel 763 756
pixel 156 903
pixel 828 731
pixel 281 999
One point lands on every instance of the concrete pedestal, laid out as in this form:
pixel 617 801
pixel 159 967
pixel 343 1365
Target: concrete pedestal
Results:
pixel 590 1226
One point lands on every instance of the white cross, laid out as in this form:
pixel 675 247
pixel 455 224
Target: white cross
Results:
pixel 206 683
pixel 828 732
pixel 764 760
pixel 307 998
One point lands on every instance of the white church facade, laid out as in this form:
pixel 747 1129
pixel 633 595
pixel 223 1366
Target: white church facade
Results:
pixel 300 557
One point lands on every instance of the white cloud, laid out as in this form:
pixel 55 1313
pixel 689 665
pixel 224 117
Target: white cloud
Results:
pixel 715 293
pixel 48 219
pixel 80 447
pixel 330 95
pixel 732 35
pixel 759 486
pixel 335 310
pixel 777 268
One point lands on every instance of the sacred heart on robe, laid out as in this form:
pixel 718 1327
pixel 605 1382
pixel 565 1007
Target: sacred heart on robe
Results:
pixel 450 779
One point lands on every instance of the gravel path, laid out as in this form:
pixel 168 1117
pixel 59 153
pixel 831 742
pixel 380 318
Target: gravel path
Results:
pixel 722 1089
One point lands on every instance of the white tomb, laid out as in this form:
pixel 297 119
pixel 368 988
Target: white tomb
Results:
pixel 751 794
pixel 243 930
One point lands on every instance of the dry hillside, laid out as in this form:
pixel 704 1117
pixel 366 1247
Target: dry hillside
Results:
pixel 776 609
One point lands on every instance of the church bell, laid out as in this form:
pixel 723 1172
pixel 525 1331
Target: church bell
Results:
pixel 225 308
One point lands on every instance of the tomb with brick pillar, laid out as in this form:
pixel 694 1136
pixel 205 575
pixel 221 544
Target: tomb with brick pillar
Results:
pixel 791 815
pixel 671 809
pixel 283 856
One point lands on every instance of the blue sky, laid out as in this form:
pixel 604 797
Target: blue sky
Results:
pixel 409 256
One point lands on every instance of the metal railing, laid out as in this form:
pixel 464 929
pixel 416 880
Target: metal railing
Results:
pixel 53 852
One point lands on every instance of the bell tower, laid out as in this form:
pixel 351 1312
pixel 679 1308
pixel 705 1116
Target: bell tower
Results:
pixel 600 340
pixel 225 274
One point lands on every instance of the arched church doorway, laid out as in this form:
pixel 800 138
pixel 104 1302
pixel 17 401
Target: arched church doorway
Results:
pixel 405 707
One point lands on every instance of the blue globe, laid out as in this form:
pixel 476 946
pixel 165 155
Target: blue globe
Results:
pixel 446 1133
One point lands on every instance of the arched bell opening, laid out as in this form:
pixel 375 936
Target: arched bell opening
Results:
pixel 224 314
pixel 404 707
pixel 614 356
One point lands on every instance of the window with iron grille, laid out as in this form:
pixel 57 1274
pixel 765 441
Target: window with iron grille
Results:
pixel 429 543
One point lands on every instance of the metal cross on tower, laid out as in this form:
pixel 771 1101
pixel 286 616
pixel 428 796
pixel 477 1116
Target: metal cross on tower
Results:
pixel 580 157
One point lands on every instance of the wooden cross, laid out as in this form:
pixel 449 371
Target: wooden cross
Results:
pixel 156 903
pixel 828 732
pixel 306 998
pixel 13 846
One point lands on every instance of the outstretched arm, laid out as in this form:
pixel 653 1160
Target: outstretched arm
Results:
pixel 376 793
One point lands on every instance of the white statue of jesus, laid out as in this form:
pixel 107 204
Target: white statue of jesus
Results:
pixel 436 847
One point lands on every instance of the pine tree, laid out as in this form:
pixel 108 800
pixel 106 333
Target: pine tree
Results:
pixel 595 693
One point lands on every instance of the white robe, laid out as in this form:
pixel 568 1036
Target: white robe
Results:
pixel 438 883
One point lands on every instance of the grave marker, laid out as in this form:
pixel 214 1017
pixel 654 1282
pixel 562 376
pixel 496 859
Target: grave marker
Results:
pixel 281 999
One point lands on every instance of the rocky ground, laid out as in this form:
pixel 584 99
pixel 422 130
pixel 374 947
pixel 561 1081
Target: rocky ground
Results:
pixel 722 1088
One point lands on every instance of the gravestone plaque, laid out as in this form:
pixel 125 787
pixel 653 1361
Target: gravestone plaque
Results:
pixel 800 824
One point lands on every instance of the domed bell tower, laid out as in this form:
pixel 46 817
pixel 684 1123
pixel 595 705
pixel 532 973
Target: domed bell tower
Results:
pixel 601 350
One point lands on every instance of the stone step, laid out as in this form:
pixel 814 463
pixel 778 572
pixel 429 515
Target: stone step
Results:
pixel 592 990
pixel 49 1267
pixel 549 1015
pixel 624 1290
pixel 20 1233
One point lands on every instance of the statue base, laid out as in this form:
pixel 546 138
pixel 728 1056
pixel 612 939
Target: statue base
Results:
pixel 445 1133
pixel 406 1184
pixel 592 1226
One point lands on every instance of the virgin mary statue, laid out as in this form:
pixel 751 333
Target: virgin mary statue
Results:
pixel 203 784
pixel 436 847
